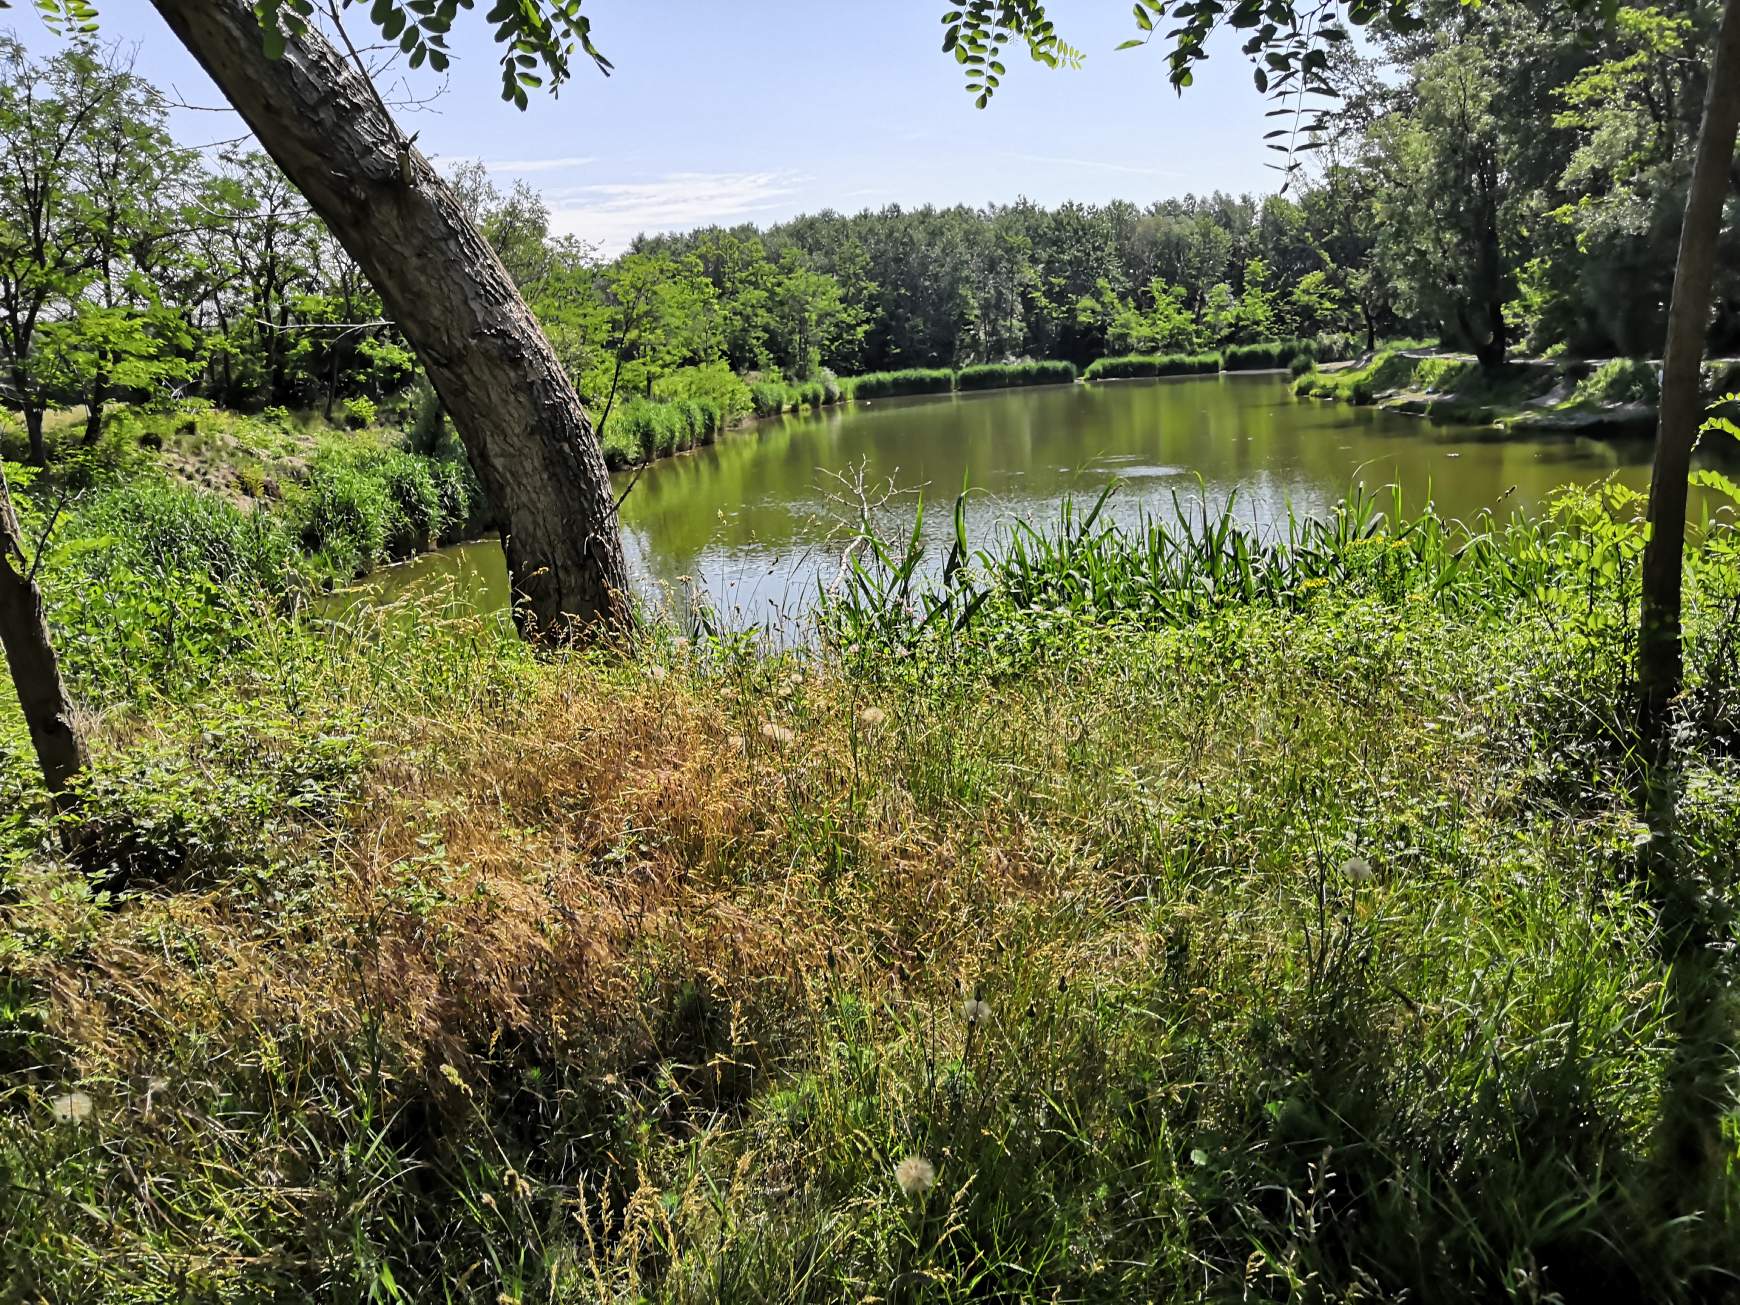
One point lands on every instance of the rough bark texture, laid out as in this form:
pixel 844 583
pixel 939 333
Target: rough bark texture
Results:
pixel 1659 662
pixel 48 710
pixel 521 421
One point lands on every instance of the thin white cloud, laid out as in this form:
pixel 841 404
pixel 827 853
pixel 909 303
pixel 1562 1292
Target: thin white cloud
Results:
pixel 610 214
pixel 538 165
pixel 1101 165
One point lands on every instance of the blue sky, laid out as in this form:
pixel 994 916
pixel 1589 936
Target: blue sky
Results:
pixel 759 110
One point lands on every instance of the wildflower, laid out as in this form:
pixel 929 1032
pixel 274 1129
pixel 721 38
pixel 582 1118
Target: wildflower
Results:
pixel 872 717
pixel 975 1010
pixel 72 1108
pixel 777 734
pixel 656 674
pixel 916 1176
pixel 680 646
pixel 1356 869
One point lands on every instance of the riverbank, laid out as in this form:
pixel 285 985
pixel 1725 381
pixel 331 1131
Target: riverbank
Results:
pixel 1190 886
pixel 1527 396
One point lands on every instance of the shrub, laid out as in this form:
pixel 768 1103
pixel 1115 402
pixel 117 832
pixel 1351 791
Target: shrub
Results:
pixel 1441 374
pixel 914 380
pixel 1622 380
pixel 414 498
pixel 715 383
pixel 1302 363
pixel 770 398
pixel 343 514
pixel 360 412
pixel 996 376
pixel 1266 354
pixel 809 394
pixel 1129 366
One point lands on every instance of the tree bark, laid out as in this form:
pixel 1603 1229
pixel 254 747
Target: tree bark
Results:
pixel 1660 667
pixel 48 711
pixel 33 431
pixel 528 437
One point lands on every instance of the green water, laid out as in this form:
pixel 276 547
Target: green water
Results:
pixel 757 521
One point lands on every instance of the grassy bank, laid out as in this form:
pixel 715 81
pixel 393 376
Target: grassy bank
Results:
pixel 1210 917
pixel 1261 356
pixel 1618 395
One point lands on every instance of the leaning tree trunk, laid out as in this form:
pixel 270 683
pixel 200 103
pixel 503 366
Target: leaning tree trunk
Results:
pixel 48 710
pixel 1659 661
pixel 528 438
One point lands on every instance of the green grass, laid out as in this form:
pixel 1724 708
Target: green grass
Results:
pixel 913 380
pixel 995 376
pixel 1265 355
pixel 1295 877
pixel 1131 366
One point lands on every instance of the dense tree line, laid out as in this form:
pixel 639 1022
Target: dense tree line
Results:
pixel 1498 180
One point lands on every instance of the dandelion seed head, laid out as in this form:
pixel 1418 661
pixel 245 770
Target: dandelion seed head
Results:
pixel 975 1011
pixel 1356 869
pixel 916 1176
pixel 656 673
pixel 872 717
pixel 72 1107
pixel 776 734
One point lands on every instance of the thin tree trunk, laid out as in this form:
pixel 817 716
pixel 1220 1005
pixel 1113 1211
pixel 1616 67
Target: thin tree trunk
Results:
pixel 48 710
pixel 33 430
pixel 522 423
pixel 94 414
pixel 1659 667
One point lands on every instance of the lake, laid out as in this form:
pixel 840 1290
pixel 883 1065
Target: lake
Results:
pixel 758 521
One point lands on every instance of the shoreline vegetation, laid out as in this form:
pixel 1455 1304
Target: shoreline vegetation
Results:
pixel 399 952
pixel 1525 396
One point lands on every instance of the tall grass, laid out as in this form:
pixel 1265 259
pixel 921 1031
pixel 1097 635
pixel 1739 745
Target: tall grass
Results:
pixel 994 376
pixel 1138 365
pixel 1267 354
pixel 1218 916
pixel 913 380
pixel 642 429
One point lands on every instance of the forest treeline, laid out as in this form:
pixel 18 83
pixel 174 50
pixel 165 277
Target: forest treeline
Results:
pixel 1497 180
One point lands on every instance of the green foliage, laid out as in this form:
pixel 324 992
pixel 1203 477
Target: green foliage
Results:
pixel 1266 355
pixel 1245 863
pixel 1109 369
pixel 714 383
pixel 1621 380
pixel 996 376
pixel 913 380
pixel 643 429
pixel 360 412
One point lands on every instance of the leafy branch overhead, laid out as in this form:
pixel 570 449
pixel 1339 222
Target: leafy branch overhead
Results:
pixel 1288 42
pixel 539 39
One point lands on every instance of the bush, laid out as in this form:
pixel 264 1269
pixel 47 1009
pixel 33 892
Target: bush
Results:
pixel 360 412
pixel 716 384
pixel 415 501
pixel 1265 355
pixel 1622 380
pixel 770 398
pixel 1130 366
pixel 1302 363
pixel 343 514
pixel 914 380
pixel 997 376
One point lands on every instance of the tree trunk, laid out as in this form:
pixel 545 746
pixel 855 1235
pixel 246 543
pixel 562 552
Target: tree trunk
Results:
pixel 35 672
pixel 516 411
pixel 33 429
pixel 1659 666
pixel 94 414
